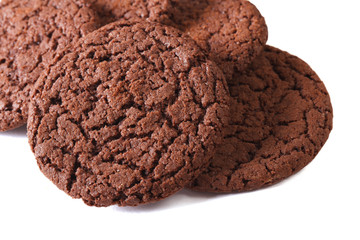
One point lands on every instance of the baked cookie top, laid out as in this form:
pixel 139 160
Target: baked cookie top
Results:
pixel 232 32
pixel 131 10
pixel 31 31
pixel 281 118
pixel 130 115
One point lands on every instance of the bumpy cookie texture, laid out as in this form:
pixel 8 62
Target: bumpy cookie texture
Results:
pixel 31 31
pixel 131 10
pixel 232 32
pixel 128 116
pixel 281 117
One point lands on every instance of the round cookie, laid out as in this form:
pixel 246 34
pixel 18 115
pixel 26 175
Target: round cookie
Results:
pixel 31 31
pixel 128 116
pixel 281 118
pixel 131 10
pixel 232 32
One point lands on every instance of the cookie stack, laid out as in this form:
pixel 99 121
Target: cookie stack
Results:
pixel 129 101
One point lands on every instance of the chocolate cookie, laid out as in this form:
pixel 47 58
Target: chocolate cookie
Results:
pixel 232 32
pixel 30 33
pixel 132 10
pixel 281 117
pixel 128 116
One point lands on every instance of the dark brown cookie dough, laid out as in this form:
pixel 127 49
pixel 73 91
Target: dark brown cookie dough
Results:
pixel 128 116
pixel 131 10
pixel 281 117
pixel 232 32
pixel 30 33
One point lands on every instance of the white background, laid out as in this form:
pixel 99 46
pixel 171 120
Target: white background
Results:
pixel 320 202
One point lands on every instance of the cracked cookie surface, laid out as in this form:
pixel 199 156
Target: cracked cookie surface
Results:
pixel 128 116
pixel 232 32
pixel 31 31
pixel 131 10
pixel 281 117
